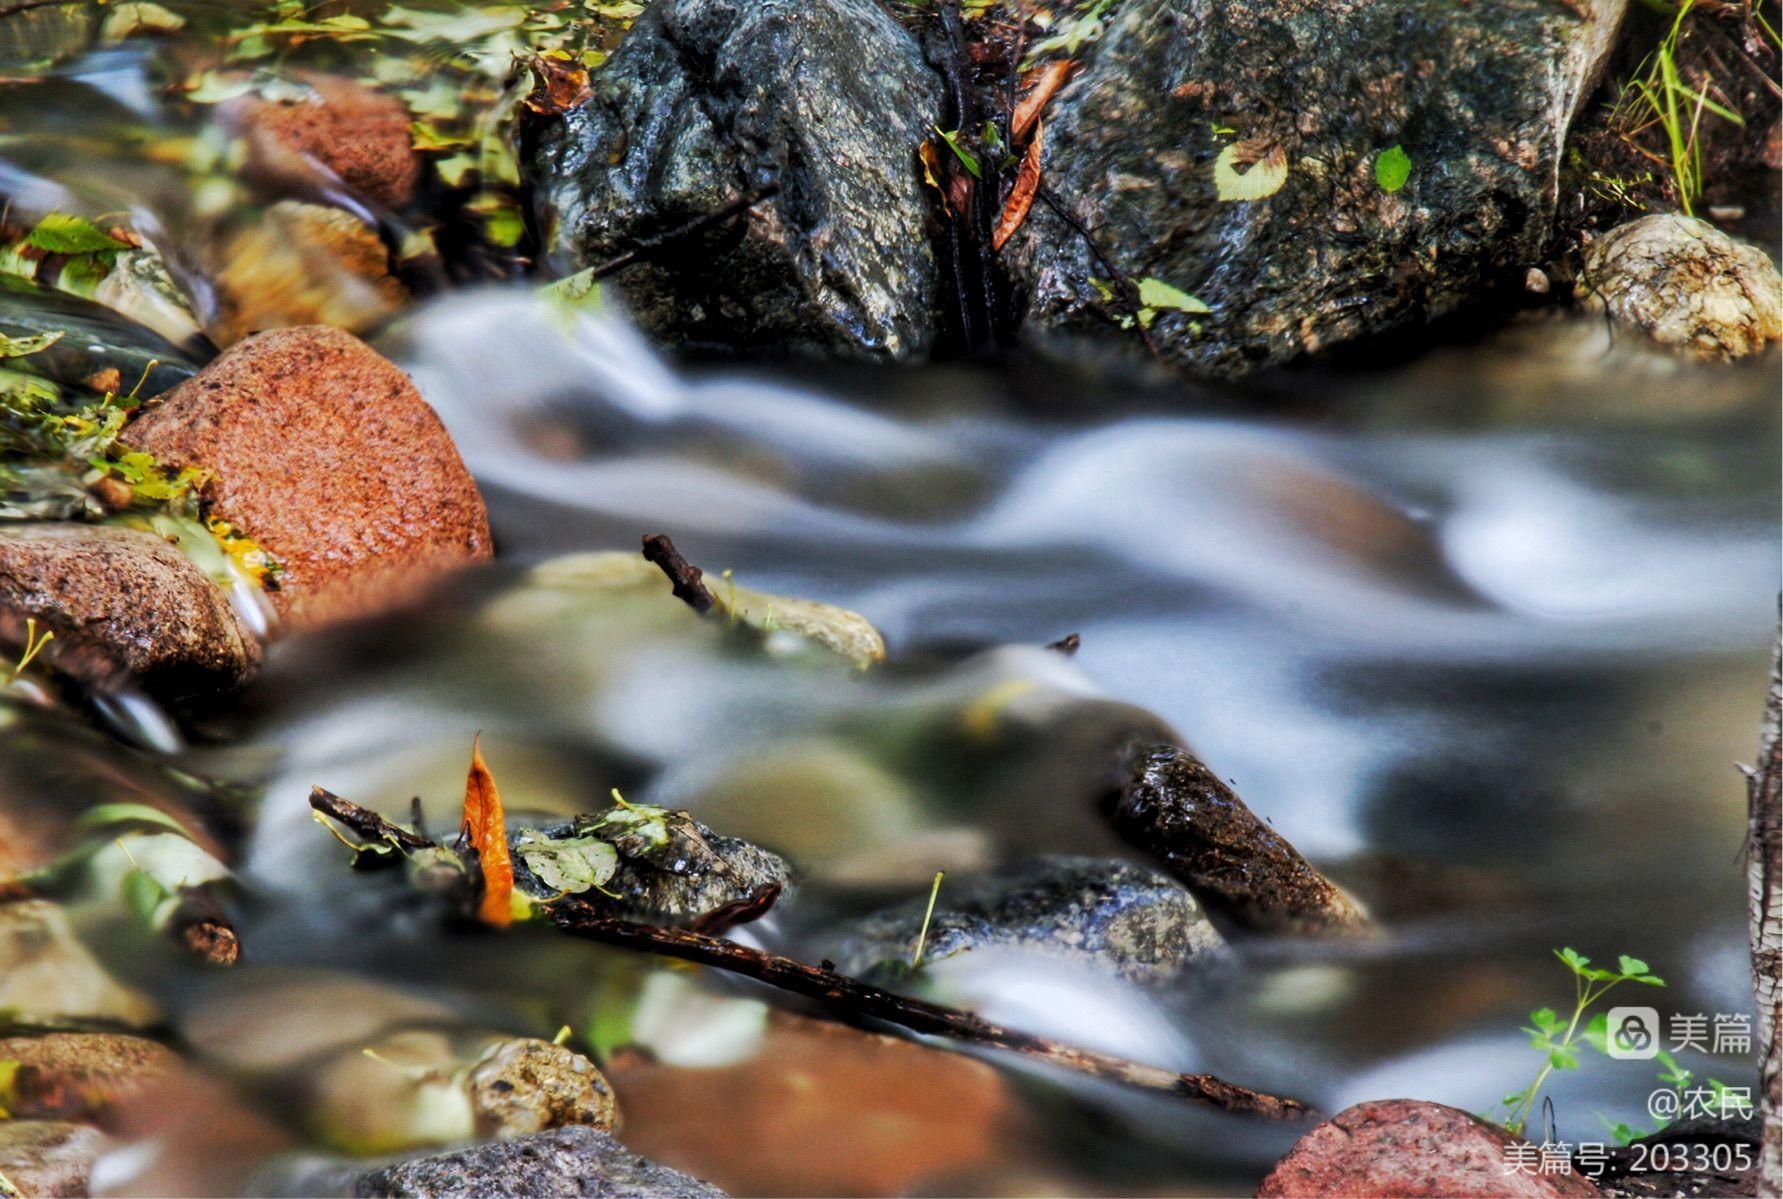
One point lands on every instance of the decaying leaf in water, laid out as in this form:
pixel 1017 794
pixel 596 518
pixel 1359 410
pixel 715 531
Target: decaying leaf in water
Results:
pixel 1250 170
pixel 1021 196
pixel 559 84
pixel 1155 293
pixel 485 828
pixel 138 16
pixel 567 865
pixel 62 233
pixel 18 347
pixel 1047 81
pixel 847 633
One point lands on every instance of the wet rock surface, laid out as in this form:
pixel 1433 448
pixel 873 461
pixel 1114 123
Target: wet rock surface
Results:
pixel 48 1158
pixel 668 865
pixel 1182 814
pixel 896 1117
pixel 121 602
pixel 708 100
pixel 1406 1147
pixel 1479 97
pixel 77 1076
pixel 546 1165
pixel 354 134
pixel 1688 286
pixel 1102 913
pixel 304 264
pixel 324 453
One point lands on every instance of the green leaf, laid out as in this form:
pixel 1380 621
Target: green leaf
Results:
pixel 1155 293
pixel 1564 1057
pixel 1546 1019
pixel 960 152
pixel 142 895
pixel 18 347
pixel 131 813
pixel 1575 960
pixel 1392 167
pixel 1596 1033
pixel 62 233
pixel 1631 966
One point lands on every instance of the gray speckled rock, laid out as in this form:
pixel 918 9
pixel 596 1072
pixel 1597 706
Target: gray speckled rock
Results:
pixel 709 99
pixel 1687 285
pixel 1480 96
pixel 1107 913
pixel 576 1161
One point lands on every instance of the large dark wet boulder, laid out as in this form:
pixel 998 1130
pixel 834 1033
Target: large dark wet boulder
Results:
pixel 1479 98
pixel 709 100
pixel 1102 913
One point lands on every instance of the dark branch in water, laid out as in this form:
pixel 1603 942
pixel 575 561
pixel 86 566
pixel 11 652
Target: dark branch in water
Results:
pixel 687 578
pixel 850 995
pixel 1067 645
pixel 367 823
pixel 840 993
pixel 645 247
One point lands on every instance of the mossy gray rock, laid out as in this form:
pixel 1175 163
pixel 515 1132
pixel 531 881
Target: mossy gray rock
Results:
pixel 708 100
pixel 1478 96
pixel 1104 913
pixel 547 1165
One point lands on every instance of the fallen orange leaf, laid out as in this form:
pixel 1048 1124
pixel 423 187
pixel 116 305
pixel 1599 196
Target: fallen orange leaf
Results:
pixel 487 829
pixel 1021 196
pixel 1048 80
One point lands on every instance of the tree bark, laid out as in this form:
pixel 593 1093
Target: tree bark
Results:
pixel 1764 881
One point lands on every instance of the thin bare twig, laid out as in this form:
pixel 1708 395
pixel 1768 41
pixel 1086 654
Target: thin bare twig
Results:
pixel 844 995
pixel 850 995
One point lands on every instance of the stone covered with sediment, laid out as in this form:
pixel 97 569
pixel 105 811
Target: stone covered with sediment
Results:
pixel 1184 816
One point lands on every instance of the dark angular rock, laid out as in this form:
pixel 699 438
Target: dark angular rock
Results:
pixel 1104 913
pixel 121 602
pixel 1479 96
pixel 1182 814
pixel 707 100
pixel 547 1165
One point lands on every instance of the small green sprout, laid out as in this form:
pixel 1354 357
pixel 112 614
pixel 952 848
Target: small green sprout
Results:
pixel 922 937
pixel 34 643
pixel 960 152
pixel 1559 1037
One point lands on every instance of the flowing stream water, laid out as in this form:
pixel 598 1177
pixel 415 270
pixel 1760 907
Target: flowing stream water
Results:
pixel 1483 633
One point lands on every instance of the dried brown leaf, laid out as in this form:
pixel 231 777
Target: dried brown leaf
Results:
pixel 1021 196
pixel 485 826
pixel 1047 81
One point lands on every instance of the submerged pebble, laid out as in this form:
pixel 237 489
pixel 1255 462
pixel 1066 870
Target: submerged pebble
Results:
pixel 1105 913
